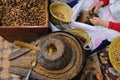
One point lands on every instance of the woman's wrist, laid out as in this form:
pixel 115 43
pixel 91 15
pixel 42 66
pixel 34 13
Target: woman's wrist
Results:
pixel 100 4
pixel 106 24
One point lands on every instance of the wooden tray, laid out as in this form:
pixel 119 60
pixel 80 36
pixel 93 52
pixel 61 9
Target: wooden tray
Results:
pixel 25 33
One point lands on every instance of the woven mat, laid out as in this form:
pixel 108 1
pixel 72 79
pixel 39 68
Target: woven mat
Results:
pixel 6 49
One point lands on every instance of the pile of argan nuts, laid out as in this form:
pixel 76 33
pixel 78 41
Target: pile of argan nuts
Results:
pixel 22 12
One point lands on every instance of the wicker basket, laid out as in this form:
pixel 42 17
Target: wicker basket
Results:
pixel 114 53
pixel 82 35
pixel 60 13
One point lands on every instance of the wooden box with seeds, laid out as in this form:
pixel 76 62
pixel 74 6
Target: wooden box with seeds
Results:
pixel 23 19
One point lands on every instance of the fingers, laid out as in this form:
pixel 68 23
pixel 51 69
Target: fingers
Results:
pixel 99 22
pixel 93 20
pixel 91 7
pixel 94 6
pixel 96 9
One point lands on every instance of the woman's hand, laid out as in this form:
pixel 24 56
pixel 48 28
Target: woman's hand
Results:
pixel 93 6
pixel 96 6
pixel 99 22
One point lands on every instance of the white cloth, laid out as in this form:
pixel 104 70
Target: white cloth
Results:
pixel 96 33
pixel 114 6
